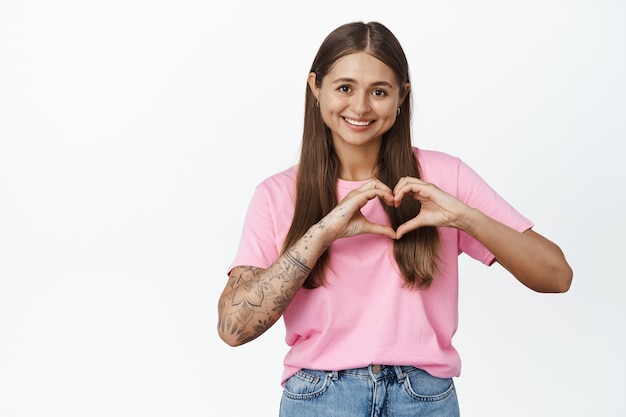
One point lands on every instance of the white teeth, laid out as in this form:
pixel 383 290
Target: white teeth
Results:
pixel 356 123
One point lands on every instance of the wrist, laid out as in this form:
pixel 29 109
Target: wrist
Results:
pixel 470 221
pixel 319 236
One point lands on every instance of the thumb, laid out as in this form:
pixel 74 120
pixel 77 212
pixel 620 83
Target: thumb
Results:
pixel 408 226
pixel 380 229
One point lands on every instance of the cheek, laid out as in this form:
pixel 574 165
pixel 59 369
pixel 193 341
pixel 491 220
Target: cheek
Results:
pixel 332 104
pixel 388 109
pixel 329 116
pixel 389 114
pixel 330 110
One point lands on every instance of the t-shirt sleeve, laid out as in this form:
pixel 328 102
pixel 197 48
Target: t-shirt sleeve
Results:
pixel 476 193
pixel 257 245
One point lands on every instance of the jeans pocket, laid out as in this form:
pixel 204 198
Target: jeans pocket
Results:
pixel 422 386
pixel 306 384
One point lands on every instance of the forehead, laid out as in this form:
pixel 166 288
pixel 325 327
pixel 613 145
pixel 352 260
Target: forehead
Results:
pixel 362 68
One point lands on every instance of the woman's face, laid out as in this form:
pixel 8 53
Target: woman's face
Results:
pixel 358 100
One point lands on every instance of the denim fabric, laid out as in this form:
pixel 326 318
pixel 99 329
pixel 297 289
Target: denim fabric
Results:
pixel 394 391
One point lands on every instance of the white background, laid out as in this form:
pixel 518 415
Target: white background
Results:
pixel 132 134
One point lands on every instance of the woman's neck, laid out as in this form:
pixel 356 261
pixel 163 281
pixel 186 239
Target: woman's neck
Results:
pixel 358 163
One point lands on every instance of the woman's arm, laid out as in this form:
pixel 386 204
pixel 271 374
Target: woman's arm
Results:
pixel 255 298
pixel 534 260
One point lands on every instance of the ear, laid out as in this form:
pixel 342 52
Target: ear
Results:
pixel 312 81
pixel 405 93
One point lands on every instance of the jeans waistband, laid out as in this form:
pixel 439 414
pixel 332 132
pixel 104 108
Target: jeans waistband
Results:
pixel 375 371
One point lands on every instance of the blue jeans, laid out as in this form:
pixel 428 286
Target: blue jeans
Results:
pixel 374 391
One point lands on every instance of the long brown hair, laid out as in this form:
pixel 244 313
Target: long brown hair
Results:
pixel 318 170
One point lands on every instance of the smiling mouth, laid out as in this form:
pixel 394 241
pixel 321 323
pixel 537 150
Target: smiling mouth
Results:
pixel 357 123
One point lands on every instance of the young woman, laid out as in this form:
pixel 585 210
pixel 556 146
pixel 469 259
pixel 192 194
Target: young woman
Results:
pixel 356 247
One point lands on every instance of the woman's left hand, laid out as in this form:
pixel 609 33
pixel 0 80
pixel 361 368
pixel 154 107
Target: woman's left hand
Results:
pixel 534 260
pixel 438 207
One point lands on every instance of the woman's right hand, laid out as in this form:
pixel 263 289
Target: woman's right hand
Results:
pixel 346 219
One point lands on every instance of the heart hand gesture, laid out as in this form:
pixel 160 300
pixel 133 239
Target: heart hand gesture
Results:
pixel 438 209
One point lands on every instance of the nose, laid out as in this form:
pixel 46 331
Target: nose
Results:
pixel 361 104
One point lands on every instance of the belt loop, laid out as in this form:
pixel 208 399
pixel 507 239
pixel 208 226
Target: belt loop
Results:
pixel 400 375
pixel 334 375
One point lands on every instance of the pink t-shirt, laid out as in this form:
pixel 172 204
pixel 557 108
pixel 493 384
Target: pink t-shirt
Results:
pixel 364 315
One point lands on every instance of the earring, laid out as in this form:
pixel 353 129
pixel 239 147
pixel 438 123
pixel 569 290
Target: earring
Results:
pixel 318 104
pixel 398 112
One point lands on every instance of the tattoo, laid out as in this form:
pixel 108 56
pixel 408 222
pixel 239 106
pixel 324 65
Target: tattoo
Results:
pixel 293 259
pixel 248 298
pixel 246 312
pixel 256 298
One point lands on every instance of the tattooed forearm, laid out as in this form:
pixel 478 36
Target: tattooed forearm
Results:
pixel 255 298
pixel 293 260
pixel 243 309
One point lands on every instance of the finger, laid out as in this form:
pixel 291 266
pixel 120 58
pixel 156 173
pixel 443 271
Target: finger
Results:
pixel 371 185
pixel 368 194
pixel 374 183
pixel 379 229
pixel 387 196
pixel 407 188
pixel 379 185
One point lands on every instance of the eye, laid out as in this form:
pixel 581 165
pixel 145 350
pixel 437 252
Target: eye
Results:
pixel 344 89
pixel 379 93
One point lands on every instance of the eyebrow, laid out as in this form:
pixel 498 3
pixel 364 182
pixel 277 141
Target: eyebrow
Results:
pixel 353 81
